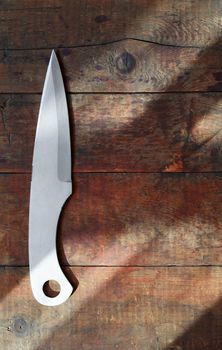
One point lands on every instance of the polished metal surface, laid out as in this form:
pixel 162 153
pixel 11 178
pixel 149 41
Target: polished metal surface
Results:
pixel 50 186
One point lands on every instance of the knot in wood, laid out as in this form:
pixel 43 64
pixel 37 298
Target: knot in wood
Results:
pixel 125 63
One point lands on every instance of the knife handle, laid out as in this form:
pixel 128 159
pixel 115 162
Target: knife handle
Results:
pixel 45 208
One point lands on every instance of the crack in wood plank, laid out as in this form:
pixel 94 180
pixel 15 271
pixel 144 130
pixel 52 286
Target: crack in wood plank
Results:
pixel 106 43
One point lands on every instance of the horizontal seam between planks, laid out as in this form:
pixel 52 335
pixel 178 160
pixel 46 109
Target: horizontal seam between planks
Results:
pixel 143 92
pixel 123 172
pixel 117 92
pixel 124 266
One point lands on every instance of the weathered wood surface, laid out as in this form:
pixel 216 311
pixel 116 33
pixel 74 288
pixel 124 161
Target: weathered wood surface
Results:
pixel 116 224
pixel 117 308
pixel 143 133
pixel 127 66
pixel 123 219
pixel 49 23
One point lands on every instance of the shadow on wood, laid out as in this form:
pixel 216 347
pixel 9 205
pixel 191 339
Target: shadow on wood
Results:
pixel 204 333
pixel 147 312
pixel 213 317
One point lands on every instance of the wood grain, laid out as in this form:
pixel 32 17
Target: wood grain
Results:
pixel 139 244
pixel 49 23
pixel 127 66
pixel 145 308
pixel 123 219
pixel 163 132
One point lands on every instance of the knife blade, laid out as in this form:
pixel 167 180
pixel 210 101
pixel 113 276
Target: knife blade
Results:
pixel 50 187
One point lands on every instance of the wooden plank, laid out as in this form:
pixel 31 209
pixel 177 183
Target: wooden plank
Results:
pixel 163 132
pixel 49 23
pixel 123 219
pixel 127 66
pixel 123 308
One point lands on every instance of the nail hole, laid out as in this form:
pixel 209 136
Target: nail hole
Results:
pixel 51 288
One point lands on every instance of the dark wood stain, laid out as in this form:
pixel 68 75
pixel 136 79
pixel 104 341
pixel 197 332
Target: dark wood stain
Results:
pixel 101 19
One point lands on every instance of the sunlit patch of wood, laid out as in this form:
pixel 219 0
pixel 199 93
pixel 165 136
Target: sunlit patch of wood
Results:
pixel 149 305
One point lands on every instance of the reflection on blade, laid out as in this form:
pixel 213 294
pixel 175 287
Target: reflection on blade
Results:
pixel 52 144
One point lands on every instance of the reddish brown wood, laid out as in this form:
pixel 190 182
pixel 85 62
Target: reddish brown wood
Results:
pixel 49 23
pixel 123 219
pixel 171 132
pixel 127 66
pixel 123 308
pixel 110 46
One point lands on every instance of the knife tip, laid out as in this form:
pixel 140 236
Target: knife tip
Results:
pixel 53 59
pixel 53 54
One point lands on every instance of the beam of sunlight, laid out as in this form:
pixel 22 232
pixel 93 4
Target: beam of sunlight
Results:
pixel 204 132
pixel 179 25
pixel 209 126
pixel 85 293
pixel 92 283
pixel 86 290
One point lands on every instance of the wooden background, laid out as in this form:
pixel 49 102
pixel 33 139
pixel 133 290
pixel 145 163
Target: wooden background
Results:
pixel 141 236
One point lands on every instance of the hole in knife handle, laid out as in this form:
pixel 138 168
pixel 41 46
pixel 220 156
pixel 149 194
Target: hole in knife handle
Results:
pixel 51 288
